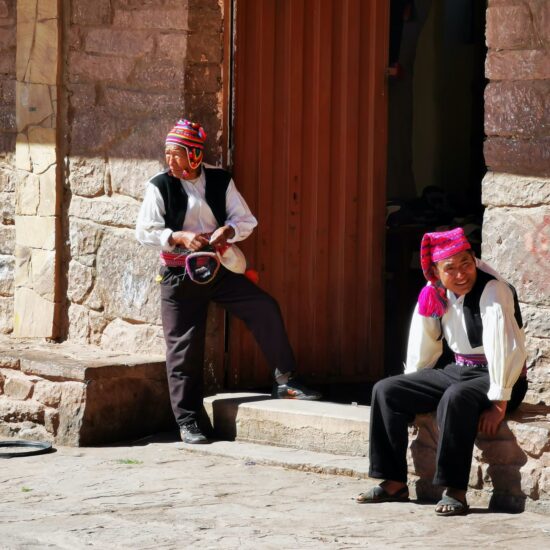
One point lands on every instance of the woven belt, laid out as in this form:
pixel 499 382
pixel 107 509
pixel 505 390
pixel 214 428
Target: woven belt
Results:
pixel 174 258
pixel 478 359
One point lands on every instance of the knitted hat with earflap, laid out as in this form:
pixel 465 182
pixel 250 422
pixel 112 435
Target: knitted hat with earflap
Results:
pixel 432 300
pixel 189 136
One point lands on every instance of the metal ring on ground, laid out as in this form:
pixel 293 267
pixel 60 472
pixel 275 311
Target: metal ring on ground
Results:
pixel 35 448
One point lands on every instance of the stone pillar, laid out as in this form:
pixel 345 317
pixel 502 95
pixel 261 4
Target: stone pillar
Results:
pixel 516 190
pixel 37 194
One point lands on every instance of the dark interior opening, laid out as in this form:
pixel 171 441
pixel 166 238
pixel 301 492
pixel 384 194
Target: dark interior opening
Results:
pixel 435 143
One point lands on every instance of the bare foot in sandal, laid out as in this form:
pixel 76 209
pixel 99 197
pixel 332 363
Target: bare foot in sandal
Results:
pixel 387 491
pixel 453 503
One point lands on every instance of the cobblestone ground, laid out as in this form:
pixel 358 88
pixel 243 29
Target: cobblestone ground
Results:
pixel 161 496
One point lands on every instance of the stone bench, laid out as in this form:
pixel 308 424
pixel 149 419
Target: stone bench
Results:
pixel 76 395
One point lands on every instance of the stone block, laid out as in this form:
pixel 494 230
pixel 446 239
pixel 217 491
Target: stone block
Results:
pixel 510 190
pixel 82 96
pixel 7 268
pixel 36 231
pixel 172 46
pixel 517 65
pixel 87 176
pixel 125 278
pixel 7 178
pixel 125 43
pixel 23 153
pixel 133 148
pixel 49 204
pixel 84 12
pixel 536 320
pixel 518 109
pixel 87 67
pixel 79 323
pixel 171 18
pixel 7 208
pixel 12 410
pixel 85 238
pixel 209 49
pixel 421 460
pixel 6 314
pixel 7 239
pixel 128 177
pixel 33 315
pixel 499 451
pixel 27 195
pixel 8 121
pixel 511 28
pixel 8 94
pixel 167 105
pixel 51 420
pixel 18 386
pixel 48 393
pixel 515 243
pixel 518 156
pixel 42 148
pixel 159 74
pixel 97 323
pixel 121 336
pixel 203 78
pixel 532 437
pixel 43 273
pixel 205 20
pixel 37 105
pixel 81 279
pixel 116 211
pixel 37 42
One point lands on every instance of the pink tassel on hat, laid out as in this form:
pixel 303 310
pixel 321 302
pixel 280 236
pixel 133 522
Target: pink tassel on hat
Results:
pixel 431 302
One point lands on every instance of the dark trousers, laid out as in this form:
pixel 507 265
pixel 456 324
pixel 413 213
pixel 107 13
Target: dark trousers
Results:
pixel 458 393
pixel 184 306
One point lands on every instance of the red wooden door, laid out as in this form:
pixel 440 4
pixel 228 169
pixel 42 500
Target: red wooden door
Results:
pixel 309 157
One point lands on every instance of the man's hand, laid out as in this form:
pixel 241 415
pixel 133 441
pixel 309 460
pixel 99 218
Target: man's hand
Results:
pixel 220 236
pixel 188 239
pixel 490 419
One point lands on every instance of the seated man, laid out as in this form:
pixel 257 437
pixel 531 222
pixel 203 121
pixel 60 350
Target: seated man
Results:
pixel 187 209
pixel 477 313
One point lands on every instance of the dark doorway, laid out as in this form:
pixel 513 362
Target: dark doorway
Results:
pixel 435 143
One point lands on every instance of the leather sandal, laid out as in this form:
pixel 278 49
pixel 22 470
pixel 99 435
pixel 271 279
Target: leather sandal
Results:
pixel 458 508
pixel 378 494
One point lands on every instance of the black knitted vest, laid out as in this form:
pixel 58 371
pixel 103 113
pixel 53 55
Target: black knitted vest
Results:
pixel 175 198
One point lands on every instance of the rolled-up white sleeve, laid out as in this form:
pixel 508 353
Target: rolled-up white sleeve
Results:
pixel 425 344
pixel 150 227
pixel 239 216
pixel 503 340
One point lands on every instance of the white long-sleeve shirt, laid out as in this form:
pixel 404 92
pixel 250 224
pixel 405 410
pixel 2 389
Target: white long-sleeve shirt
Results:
pixel 199 218
pixel 503 340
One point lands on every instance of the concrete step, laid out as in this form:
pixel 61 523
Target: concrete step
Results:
pixel 307 425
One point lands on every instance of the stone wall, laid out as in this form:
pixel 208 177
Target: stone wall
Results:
pixel 131 69
pixel 516 190
pixel 7 161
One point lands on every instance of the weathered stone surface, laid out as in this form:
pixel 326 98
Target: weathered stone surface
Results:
pixel 81 279
pixel 125 278
pixel 111 41
pixel 12 410
pixel 42 151
pixel 43 273
pixel 517 65
pixel 203 78
pixel 18 386
pixel 168 18
pixel 49 199
pixel 532 437
pixel 97 323
pixel 128 177
pixel 161 74
pixel 48 393
pixel 36 231
pixel 207 50
pixel 27 195
pixel 7 266
pixel 87 176
pixel 82 96
pixel 510 190
pixel 51 420
pixel 517 109
pixel 536 320
pixel 84 238
pixel 511 28
pixel 7 177
pixel 516 242
pixel 141 338
pixel 7 239
pixel 86 67
pixel 37 42
pixel 36 105
pixel 116 211
pixel 172 46
pixel 7 208
pixel 138 102
pixel 79 324
pixel 517 156
pixel 23 153
pixel 33 315
pixel 6 314
pixel 84 12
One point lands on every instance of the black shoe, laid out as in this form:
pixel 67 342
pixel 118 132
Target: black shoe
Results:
pixel 293 389
pixel 191 433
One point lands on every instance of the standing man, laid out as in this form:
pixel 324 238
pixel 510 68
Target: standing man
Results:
pixel 477 313
pixel 192 208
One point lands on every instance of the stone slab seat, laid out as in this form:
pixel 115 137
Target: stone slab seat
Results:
pixel 76 395
pixel 509 471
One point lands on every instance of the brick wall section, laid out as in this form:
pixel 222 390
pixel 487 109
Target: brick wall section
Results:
pixel 7 161
pixel 516 190
pixel 132 68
